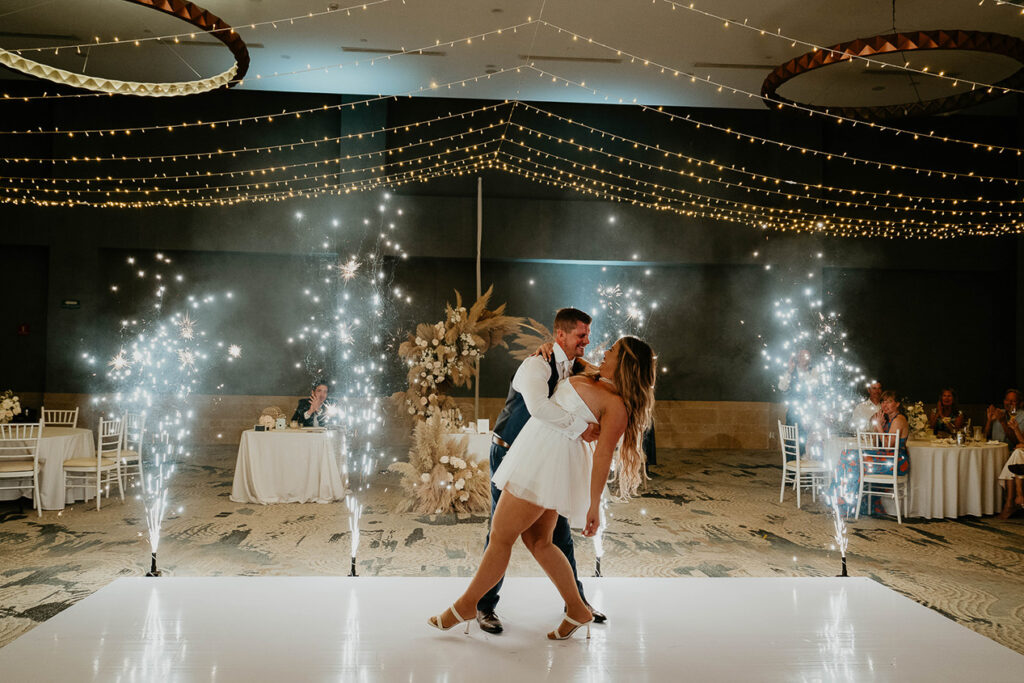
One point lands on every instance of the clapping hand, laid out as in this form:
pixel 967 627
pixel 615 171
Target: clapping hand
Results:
pixel 315 402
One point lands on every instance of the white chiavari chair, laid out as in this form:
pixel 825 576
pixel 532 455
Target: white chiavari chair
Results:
pixel 19 458
pixel 99 470
pixel 879 474
pixel 801 473
pixel 131 453
pixel 59 418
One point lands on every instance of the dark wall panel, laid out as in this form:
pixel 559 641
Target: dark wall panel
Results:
pixel 23 316
pixel 918 331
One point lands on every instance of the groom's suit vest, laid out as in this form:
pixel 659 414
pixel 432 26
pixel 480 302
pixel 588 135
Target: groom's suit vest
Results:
pixel 514 415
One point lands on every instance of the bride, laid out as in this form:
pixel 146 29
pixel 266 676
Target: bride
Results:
pixel 546 474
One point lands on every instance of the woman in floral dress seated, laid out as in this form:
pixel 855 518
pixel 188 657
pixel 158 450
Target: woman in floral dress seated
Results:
pixel 891 420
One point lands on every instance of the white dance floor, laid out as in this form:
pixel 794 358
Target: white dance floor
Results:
pixel 374 629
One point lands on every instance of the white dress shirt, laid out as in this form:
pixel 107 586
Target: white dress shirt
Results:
pixel 807 380
pixel 999 434
pixel 531 380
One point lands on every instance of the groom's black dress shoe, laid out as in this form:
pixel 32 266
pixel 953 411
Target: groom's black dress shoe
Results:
pixel 489 621
pixel 599 617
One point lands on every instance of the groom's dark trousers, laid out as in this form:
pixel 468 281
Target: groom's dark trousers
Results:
pixel 508 425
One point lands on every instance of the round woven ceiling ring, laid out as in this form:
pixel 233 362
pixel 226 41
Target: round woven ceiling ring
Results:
pixel 976 41
pixel 187 11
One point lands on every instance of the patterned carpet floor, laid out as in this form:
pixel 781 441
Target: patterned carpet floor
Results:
pixel 705 513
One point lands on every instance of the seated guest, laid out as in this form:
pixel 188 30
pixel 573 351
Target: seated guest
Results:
pixel 1013 485
pixel 866 409
pixel 946 418
pixel 312 411
pixel 846 482
pixel 1006 425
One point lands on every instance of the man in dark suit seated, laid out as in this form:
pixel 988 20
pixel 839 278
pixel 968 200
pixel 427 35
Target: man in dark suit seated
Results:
pixel 312 411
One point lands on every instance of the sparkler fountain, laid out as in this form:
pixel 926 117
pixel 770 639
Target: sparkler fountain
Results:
pixel 820 387
pixel 160 362
pixel 350 308
pixel 355 511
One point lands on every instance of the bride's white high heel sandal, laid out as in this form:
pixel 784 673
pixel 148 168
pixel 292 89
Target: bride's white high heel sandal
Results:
pixel 575 626
pixel 437 622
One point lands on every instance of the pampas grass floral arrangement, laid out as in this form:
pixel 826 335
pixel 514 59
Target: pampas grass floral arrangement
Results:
pixel 439 478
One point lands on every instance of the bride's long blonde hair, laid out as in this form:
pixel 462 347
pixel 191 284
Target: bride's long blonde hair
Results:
pixel 634 378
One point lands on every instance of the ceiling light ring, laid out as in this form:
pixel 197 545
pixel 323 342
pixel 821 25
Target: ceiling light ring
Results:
pixel 914 41
pixel 182 9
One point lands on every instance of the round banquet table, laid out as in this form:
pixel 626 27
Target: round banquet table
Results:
pixel 56 445
pixel 953 481
pixel 288 466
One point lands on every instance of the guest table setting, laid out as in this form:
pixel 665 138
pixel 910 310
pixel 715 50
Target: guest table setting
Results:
pixel 289 466
pixel 56 445
pixel 947 479
pixel 951 480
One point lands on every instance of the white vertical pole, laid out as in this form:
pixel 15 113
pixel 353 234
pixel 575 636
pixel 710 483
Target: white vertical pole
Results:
pixel 479 239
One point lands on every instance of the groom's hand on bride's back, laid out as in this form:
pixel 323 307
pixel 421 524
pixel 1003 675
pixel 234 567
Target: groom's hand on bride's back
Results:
pixel 592 432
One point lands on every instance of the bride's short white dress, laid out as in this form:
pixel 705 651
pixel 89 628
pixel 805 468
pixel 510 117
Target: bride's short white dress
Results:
pixel 549 468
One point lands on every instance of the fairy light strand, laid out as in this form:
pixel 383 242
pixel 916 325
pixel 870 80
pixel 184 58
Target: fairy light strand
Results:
pixel 796 106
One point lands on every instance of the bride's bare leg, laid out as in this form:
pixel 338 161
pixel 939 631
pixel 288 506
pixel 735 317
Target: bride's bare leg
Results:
pixel 511 518
pixel 552 560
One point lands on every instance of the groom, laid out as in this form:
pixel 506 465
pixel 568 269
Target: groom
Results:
pixel 536 379
pixel 312 411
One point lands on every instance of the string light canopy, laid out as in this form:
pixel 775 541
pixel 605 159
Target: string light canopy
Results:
pixel 187 11
pixel 656 158
pixel 976 41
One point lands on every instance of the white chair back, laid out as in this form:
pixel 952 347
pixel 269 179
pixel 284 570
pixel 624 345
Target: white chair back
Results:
pixel 110 438
pixel 60 418
pixel 20 441
pixel 134 429
pixel 19 457
pixel 879 467
pixel 789 440
pixel 878 450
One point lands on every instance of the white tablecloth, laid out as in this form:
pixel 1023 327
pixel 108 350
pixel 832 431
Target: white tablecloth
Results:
pixel 57 445
pixel 478 446
pixel 953 481
pixel 288 466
